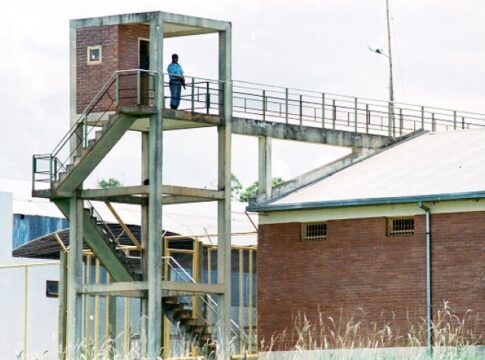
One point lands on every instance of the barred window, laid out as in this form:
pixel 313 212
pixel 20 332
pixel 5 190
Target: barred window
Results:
pixel 400 226
pixel 313 231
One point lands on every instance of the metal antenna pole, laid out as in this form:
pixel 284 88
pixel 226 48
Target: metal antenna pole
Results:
pixel 391 86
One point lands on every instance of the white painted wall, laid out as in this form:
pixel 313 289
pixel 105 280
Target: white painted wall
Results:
pixel 41 311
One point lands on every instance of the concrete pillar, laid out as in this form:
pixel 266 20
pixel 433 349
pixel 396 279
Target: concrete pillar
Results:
pixel 154 250
pixel 224 206
pixel 265 183
pixel 144 243
pixel 62 316
pixel 74 274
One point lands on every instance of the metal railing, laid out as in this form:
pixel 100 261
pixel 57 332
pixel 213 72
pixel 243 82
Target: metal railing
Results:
pixel 123 88
pixel 318 109
pixel 173 271
pixel 250 101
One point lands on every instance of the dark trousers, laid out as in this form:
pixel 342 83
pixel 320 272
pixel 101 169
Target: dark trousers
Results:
pixel 175 92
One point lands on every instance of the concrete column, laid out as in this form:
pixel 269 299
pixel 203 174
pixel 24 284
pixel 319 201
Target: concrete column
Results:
pixel 154 250
pixel 74 274
pixel 62 316
pixel 265 183
pixel 224 206
pixel 144 243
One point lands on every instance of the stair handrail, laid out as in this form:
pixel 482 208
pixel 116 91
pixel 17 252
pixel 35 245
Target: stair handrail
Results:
pixel 211 303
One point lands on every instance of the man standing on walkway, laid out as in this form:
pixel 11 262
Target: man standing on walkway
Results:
pixel 177 80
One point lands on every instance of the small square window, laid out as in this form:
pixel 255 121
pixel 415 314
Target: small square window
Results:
pixel 314 231
pixel 94 55
pixel 400 226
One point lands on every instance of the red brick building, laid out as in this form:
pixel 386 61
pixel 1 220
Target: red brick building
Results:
pixel 352 246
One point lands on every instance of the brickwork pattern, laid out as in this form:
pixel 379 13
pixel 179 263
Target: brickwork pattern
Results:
pixel 358 272
pixel 119 52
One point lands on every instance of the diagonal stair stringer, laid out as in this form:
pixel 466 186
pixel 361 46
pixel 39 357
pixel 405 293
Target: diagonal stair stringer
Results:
pixel 97 149
pixel 110 258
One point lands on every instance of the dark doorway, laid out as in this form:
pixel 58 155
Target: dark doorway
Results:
pixel 144 55
pixel 144 64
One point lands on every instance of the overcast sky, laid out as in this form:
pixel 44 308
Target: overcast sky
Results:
pixel 438 47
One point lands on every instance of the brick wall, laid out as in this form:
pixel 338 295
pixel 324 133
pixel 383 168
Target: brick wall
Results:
pixel 119 52
pixel 90 78
pixel 360 273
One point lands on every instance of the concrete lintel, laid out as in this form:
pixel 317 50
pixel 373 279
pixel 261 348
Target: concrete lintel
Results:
pixel 251 127
pixel 197 22
pixel 124 288
pixel 191 288
pixel 134 18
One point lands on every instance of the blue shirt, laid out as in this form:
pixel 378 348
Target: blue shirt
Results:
pixel 174 70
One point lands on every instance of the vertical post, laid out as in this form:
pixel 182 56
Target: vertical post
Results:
pixel 207 98
pixel 192 94
pixel 241 299
pixel 264 105
pixel 117 89
pixel 138 88
pixel 454 119
pixel 367 118
pixel 155 157
pixel 224 206
pixel 422 117
pixel 355 115
pixel 87 300
pixel 26 310
pixel 389 122
pixel 61 321
pixel 433 123
pixel 334 114
pixel 401 122
pixel 144 242
pixel 301 109
pixel 286 105
pixel 74 274
pixel 463 122
pixel 250 303
pixel 323 110
pixel 264 166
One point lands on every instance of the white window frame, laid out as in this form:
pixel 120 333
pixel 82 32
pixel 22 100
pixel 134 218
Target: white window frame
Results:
pixel 94 62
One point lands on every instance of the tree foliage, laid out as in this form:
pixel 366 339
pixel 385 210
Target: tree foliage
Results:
pixel 252 191
pixel 109 183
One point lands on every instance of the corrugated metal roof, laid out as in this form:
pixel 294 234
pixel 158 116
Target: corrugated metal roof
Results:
pixel 434 165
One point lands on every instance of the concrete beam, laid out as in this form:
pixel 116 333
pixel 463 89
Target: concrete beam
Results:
pixel 96 194
pixel 250 127
pixel 122 288
pixel 184 288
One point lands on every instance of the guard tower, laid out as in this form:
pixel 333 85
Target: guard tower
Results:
pixel 117 85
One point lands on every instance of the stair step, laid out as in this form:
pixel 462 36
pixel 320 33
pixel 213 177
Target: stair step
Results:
pixel 69 167
pixel 62 176
pixel 98 134
pixel 76 159
pixel 91 143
